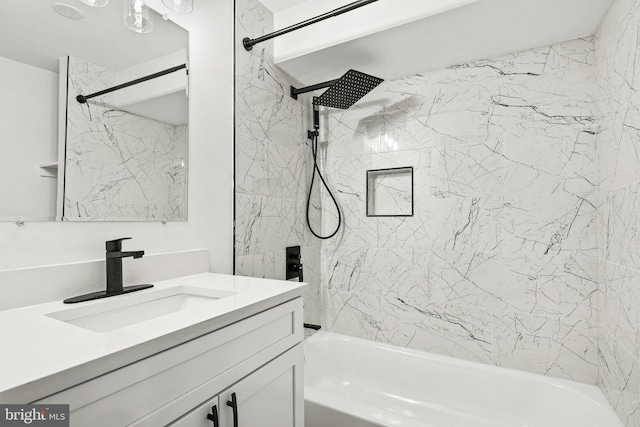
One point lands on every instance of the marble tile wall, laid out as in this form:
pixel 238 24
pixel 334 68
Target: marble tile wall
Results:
pixel 521 252
pixel 499 263
pixel 618 80
pixel 273 163
pixel 120 166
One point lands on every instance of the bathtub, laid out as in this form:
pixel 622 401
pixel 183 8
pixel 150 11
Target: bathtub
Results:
pixel 351 382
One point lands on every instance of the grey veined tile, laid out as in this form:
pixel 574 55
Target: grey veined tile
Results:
pixel 559 347
pixel 620 379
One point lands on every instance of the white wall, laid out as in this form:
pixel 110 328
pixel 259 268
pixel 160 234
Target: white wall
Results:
pixel 210 175
pixel 28 138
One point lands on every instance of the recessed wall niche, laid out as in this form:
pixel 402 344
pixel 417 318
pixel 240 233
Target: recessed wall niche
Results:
pixel 390 192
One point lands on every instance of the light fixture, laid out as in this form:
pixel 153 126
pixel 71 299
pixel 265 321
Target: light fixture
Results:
pixel 68 11
pixel 138 16
pixel 95 3
pixel 180 6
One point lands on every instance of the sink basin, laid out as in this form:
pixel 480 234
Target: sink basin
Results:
pixel 125 310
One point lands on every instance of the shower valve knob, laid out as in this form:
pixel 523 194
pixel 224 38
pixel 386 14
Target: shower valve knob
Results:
pixel 293 263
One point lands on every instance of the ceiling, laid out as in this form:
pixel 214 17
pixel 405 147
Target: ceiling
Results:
pixel 484 29
pixel 172 108
pixel 31 32
pixel 278 5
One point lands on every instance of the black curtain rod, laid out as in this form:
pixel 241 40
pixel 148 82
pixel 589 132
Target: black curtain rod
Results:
pixel 83 98
pixel 249 43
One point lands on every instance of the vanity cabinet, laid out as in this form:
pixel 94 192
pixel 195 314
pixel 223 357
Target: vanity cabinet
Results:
pixel 266 398
pixel 258 360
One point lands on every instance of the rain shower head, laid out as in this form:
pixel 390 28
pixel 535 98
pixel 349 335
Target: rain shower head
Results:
pixel 341 93
pixel 348 90
pixel 344 92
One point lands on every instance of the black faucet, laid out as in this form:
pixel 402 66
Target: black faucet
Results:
pixel 114 257
pixel 114 264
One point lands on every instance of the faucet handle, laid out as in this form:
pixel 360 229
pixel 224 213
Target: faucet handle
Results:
pixel 115 245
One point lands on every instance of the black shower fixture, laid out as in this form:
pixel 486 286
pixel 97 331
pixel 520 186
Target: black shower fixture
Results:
pixel 342 93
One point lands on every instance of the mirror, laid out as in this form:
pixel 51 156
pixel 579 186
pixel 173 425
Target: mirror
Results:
pixel 119 156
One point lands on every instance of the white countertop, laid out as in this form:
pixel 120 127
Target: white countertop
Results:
pixel 41 356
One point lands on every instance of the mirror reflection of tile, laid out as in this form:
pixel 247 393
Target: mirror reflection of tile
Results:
pixel 120 165
pixel 390 192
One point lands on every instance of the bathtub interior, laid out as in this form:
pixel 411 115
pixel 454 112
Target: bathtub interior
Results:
pixel 446 391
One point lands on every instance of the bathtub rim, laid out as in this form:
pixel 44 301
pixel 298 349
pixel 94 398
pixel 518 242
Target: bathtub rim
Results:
pixel 589 391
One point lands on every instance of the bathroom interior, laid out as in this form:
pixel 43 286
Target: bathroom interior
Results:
pixel 343 213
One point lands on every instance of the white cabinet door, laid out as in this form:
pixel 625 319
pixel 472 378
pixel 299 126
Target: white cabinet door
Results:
pixel 205 415
pixel 272 396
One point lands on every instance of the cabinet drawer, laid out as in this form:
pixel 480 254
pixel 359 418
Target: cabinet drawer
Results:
pixel 158 383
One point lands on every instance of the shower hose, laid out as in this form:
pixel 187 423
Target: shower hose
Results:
pixel 314 150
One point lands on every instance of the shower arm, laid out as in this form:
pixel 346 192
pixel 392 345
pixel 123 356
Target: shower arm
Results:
pixel 295 91
pixel 249 42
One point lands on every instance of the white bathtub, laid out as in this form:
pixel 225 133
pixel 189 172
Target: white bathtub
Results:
pixel 356 383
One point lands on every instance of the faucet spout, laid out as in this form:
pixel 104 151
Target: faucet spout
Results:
pixel 134 254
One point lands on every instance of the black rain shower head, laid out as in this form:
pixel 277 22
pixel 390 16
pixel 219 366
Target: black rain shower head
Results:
pixel 344 92
pixel 348 90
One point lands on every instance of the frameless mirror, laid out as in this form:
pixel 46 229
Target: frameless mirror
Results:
pixel 118 154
